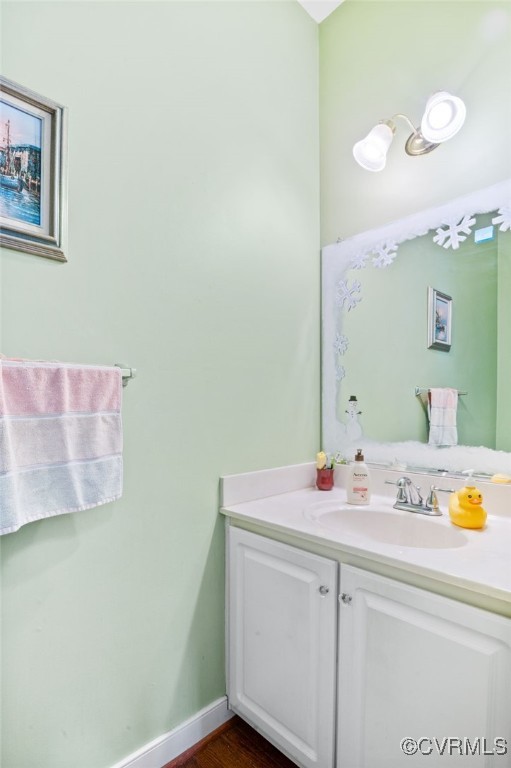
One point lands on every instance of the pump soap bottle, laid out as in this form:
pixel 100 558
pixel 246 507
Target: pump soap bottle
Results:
pixel 359 484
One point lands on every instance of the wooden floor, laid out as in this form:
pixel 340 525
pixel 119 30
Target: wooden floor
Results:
pixel 233 745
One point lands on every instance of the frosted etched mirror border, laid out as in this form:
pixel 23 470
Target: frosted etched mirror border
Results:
pixel 341 293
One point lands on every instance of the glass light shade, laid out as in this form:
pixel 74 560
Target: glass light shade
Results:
pixel 443 117
pixel 371 152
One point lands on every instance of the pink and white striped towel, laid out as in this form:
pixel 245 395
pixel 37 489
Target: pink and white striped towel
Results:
pixel 60 439
pixel 442 406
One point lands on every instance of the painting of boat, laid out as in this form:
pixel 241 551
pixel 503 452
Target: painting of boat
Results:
pixel 11 182
pixel 32 171
pixel 20 170
pixel 13 163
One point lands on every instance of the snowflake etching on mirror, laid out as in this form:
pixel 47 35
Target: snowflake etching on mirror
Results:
pixel 455 233
pixel 340 346
pixel 346 295
pixel 381 256
pixel 359 261
pixel 341 343
pixel 385 255
pixel 504 218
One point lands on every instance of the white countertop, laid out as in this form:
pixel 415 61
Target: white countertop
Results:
pixel 478 560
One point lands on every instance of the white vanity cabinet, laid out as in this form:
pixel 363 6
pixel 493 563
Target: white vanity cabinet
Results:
pixel 337 675
pixel 413 664
pixel 282 619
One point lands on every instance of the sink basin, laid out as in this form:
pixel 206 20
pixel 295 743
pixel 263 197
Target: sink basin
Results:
pixel 388 526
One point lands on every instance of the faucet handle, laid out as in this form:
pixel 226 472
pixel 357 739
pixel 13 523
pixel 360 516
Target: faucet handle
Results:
pixel 402 484
pixel 433 499
pixel 407 491
pixel 416 495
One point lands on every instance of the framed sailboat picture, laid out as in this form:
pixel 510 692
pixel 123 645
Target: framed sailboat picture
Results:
pixel 32 172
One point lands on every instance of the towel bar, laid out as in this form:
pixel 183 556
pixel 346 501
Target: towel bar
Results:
pixel 127 373
pixel 420 390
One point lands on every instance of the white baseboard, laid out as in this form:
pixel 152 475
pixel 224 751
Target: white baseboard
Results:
pixel 165 748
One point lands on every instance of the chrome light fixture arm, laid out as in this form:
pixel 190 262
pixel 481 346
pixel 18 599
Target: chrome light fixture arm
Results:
pixel 416 144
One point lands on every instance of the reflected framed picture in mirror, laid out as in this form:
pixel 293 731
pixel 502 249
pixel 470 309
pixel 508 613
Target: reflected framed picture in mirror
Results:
pixel 439 320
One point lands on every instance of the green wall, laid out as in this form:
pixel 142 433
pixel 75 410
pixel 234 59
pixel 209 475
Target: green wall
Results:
pixel 503 437
pixel 379 58
pixel 194 257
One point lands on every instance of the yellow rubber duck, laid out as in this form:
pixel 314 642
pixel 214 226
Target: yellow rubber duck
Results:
pixel 465 508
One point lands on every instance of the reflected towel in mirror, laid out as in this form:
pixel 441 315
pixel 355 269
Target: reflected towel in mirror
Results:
pixel 442 407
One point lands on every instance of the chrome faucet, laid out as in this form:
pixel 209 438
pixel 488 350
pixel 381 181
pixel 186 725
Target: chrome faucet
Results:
pixel 410 499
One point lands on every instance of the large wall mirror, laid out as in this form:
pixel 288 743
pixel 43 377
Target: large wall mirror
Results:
pixel 421 303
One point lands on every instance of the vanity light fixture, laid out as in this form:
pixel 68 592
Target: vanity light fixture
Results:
pixel 442 119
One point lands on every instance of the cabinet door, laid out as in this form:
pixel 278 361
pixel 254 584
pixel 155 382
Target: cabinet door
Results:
pixel 282 645
pixel 416 665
